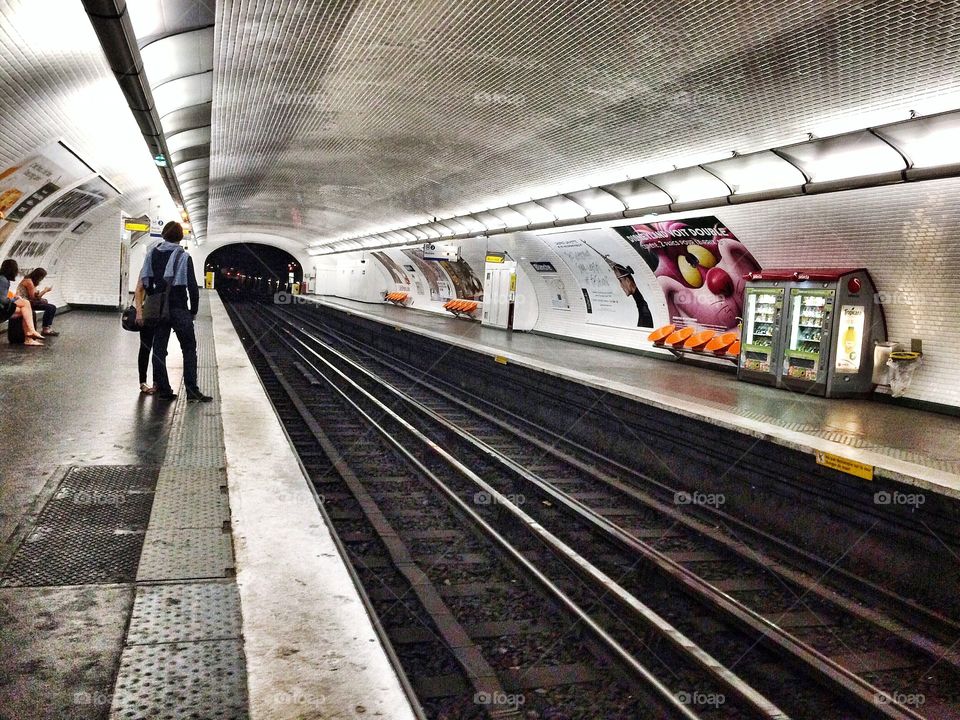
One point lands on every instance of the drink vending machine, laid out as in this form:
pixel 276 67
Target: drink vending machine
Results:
pixel 811 330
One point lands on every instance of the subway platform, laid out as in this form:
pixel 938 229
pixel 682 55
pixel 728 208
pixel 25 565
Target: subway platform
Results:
pixel 167 560
pixel 913 447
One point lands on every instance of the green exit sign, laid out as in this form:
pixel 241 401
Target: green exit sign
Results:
pixel 160 160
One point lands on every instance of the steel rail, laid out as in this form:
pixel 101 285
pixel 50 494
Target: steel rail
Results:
pixel 931 621
pixel 855 687
pixel 759 704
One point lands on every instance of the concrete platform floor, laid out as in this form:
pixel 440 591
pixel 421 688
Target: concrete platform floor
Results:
pixel 74 402
pixel 169 640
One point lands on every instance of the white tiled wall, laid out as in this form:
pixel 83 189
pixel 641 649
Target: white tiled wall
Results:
pixel 907 236
pixel 88 265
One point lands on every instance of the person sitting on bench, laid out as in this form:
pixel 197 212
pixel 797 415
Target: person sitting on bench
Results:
pixel 29 290
pixel 10 306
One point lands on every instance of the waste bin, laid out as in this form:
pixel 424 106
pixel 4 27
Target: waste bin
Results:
pixel 903 365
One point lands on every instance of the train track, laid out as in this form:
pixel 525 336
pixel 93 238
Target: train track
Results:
pixel 764 637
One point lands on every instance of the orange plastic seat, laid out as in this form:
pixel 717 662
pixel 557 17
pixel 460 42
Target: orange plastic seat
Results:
pixel 471 306
pixel 734 349
pixel 661 334
pixel 721 342
pixel 678 337
pixel 699 339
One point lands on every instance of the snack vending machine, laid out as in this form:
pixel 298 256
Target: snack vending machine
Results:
pixel 825 326
pixel 760 339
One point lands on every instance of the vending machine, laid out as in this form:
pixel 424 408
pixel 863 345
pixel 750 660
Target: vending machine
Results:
pixel 760 338
pixel 824 326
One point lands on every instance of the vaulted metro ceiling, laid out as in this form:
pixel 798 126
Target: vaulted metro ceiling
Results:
pixel 335 118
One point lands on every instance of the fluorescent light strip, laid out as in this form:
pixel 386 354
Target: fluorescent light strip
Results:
pixel 912 149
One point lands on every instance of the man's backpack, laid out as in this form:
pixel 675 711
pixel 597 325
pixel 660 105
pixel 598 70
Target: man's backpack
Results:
pixel 156 304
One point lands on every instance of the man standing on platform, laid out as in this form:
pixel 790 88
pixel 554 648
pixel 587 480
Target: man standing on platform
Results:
pixel 168 267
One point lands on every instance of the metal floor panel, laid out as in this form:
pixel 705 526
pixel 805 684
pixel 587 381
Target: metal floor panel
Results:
pixel 185 612
pixel 90 557
pixel 90 532
pixel 173 681
pixel 185 553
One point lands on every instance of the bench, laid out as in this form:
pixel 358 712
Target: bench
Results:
pixel 703 342
pixel 397 298
pixel 15 334
pixel 462 308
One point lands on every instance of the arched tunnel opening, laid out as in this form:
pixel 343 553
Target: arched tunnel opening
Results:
pixel 253 269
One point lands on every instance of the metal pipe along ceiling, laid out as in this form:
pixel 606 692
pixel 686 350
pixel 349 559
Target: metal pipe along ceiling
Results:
pixel 111 22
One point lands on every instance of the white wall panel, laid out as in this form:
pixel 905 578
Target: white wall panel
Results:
pixel 905 235
pixel 88 268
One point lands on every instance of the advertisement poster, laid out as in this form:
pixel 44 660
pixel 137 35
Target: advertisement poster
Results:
pixel 431 274
pixel 851 339
pixel 558 293
pixel 445 279
pixel 33 180
pixel 699 265
pixel 397 273
pixel 616 287
pixel 64 213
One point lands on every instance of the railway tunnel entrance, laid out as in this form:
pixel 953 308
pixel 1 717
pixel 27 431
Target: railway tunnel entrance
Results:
pixel 253 268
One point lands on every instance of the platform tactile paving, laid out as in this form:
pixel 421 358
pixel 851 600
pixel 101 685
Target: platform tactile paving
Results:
pixel 195 456
pixel 180 479
pixel 185 612
pixel 172 681
pixel 185 553
pixel 183 655
pixel 192 507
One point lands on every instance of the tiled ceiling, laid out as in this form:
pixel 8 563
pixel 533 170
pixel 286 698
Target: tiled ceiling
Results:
pixel 336 118
pixel 55 84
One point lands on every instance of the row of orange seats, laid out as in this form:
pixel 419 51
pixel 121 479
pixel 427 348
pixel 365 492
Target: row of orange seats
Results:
pixel 461 306
pixel 397 297
pixel 691 339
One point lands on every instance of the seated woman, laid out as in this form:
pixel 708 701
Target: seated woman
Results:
pixel 10 306
pixel 28 290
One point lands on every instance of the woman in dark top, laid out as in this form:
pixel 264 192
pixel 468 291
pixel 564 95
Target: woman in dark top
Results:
pixel 29 290
pixel 10 304
pixel 146 341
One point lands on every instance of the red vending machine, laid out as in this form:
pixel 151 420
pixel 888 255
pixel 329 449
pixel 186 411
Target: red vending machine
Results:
pixel 811 330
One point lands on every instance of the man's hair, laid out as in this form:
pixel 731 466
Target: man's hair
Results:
pixel 9 269
pixel 172 232
pixel 37 275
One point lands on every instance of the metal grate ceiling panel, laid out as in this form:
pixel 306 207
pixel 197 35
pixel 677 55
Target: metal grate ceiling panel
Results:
pixel 332 119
